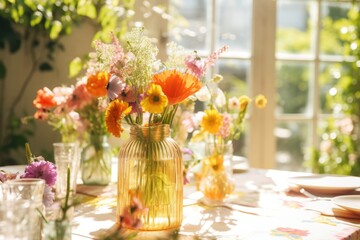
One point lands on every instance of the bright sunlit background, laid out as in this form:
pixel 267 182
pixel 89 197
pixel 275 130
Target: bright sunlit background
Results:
pixel 295 52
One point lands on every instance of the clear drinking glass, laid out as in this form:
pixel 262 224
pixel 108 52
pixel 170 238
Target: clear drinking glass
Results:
pixel 66 156
pixel 21 209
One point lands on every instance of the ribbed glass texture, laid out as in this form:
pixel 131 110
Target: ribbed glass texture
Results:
pixel 150 168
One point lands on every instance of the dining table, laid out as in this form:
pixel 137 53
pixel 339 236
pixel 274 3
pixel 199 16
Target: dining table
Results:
pixel 267 204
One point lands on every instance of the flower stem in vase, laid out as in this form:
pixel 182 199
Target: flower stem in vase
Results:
pixel 96 162
pixel 150 169
pixel 217 182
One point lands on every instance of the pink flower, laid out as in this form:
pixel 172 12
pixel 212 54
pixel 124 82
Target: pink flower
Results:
pixel 224 130
pixel 61 94
pixel 80 97
pixel 41 114
pixel 195 65
pixel 188 121
pixel 346 126
pixel 118 56
pixel 127 94
pixel 130 216
pixel 41 169
pixel 210 61
pixel 115 86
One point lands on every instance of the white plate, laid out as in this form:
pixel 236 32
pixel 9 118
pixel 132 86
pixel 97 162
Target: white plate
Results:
pixel 349 202
pixel 327 184
pixel 240 164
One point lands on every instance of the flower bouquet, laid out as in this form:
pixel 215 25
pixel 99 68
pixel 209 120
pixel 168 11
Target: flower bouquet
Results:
pixel 220 124
pixel 144 94
pixel 78 113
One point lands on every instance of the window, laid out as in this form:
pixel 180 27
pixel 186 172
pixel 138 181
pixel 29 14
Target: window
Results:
pixel 289 50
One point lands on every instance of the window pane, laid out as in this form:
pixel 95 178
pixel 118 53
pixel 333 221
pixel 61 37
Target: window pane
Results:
pixel 296 21
pixel 292 139
pixel 234 24
pixel 331 76
pixel 236 76
pixel 188 25
pixel 334 21
pixel 292 82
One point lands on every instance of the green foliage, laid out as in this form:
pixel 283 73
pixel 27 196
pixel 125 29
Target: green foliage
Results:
pixel 75 67
pixel 293 80
pixel 286 41
pixel 339 152
pixel 40 25
pixel 16 140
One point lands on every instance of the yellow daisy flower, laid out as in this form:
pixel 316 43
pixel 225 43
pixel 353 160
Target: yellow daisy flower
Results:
pixel 155 100
pixel 116 110
pixel 260 101
pixel 244 102
pixel 211 121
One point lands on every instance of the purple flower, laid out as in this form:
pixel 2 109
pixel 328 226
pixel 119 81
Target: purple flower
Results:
pixel 41 169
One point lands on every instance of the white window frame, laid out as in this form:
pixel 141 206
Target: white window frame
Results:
pixel 261 139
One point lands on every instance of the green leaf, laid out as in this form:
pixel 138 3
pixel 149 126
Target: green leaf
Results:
pixel 2 70
pixel 86 8
pixel 36 18
pixel 21 12
pixel 14 15
pixel 30 4
pixel 45 67
pixel 29 155
pixel 2 4
pixel 55 29
pixel 75 67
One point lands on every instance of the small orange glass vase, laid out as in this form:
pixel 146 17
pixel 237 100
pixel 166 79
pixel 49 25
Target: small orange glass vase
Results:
pixel 217 181
pixel 150 168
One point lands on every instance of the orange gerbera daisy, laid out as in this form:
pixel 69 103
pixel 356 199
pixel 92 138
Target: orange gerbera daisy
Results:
pixel 96 84
pixel 114 113
pixel 176 85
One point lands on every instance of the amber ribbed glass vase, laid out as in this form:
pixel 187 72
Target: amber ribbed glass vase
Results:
pixel 150 168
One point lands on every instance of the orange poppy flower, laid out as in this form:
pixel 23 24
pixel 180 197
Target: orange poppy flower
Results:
pixel 96 84
pixel 176 85
pixel 114 114
pixel 44 99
